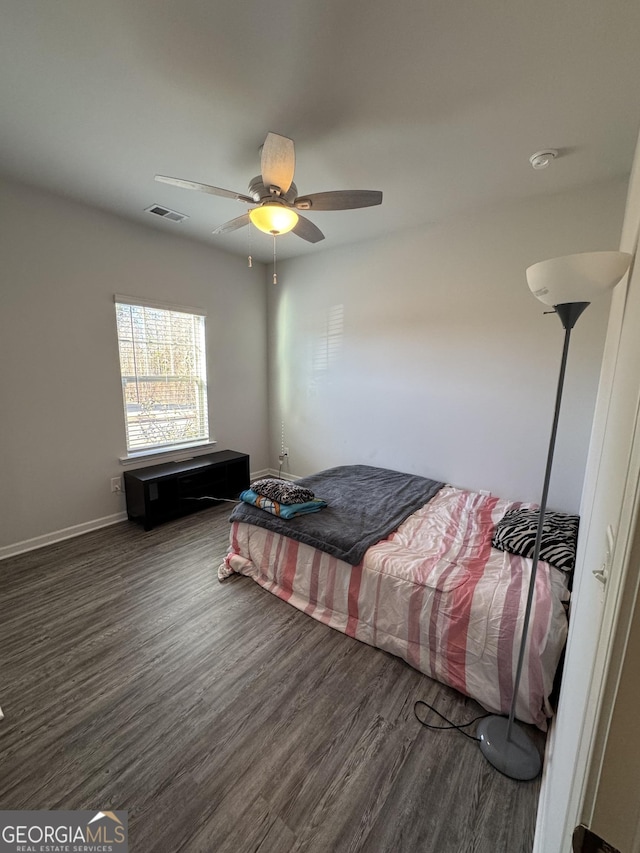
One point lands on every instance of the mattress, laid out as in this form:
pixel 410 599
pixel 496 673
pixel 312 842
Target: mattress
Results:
pixel 435 593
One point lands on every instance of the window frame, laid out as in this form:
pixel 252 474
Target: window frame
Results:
pixel 175 448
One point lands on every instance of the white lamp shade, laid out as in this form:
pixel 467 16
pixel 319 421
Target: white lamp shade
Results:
pixel 577 278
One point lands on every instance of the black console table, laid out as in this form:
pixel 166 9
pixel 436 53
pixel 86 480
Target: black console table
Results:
pixel 161 492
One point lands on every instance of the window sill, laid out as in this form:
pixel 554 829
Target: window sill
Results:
pixel 176 454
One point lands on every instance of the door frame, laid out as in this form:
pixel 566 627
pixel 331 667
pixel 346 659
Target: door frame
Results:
pixel 611 496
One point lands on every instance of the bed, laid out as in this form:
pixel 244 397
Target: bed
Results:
pixel 424 584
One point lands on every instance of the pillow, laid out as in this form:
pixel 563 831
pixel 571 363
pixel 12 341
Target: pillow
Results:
pixel 516 532
pixel 282 491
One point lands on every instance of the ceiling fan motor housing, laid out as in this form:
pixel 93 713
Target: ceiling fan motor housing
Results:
pixel 260 193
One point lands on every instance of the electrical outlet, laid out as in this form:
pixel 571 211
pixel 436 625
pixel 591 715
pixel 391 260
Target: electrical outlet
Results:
pixel 116 484
pixel 285 451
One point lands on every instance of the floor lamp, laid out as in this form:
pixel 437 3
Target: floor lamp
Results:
pixel 568 284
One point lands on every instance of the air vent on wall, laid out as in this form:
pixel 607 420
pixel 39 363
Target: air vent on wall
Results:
pixel 165 213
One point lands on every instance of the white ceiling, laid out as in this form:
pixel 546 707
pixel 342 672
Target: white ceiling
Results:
pixel 438 103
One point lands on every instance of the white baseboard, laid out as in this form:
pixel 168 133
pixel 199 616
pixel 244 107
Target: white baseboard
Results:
pixel 258 475
pixel 283 475
pixel 78 529
pixel 273 472
pixel 60 535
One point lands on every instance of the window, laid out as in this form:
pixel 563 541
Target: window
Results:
pixel 163 369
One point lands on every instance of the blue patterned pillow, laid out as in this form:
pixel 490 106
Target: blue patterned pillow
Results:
pixel 516 533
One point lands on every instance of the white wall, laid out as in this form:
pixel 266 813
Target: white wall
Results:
pixel 61 427
pixel 444 364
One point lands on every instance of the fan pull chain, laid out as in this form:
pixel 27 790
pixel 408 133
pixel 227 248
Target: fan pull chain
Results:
pixel 275 275
pixel 249 259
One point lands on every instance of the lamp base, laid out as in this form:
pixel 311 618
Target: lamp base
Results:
pixel 516 757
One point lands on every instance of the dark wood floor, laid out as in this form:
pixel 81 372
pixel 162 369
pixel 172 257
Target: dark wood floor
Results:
pixel 222 718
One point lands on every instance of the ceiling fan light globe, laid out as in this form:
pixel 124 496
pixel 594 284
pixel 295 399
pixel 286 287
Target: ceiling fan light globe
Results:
pixel 274 218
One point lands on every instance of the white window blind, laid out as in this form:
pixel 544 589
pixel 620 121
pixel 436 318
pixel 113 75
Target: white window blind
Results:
pixel 163 369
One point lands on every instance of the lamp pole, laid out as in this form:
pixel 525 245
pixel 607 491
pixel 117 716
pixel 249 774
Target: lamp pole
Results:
pixel 560 283
pixel 502 742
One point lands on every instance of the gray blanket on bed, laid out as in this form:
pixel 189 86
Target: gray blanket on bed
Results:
pixel 366 505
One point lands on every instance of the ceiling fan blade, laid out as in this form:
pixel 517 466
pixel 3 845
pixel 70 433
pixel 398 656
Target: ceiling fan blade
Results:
pixel 203 188
pixel 339 200
pixel 308 231
pixel 278 162
pixel 233 224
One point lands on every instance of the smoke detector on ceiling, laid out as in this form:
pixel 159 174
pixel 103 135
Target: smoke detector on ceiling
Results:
pixel 165 213
pixel 541 159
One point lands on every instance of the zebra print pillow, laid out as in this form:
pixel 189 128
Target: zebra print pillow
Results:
pixel 516 532
pixel 282 491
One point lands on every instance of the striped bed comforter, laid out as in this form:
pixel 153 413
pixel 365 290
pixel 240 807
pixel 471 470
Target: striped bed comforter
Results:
pixel 434 593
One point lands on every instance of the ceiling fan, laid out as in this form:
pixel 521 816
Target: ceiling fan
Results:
pixel 276 196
